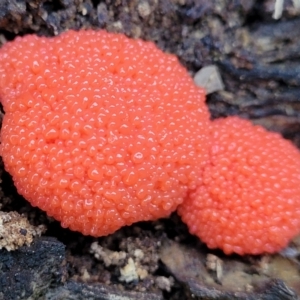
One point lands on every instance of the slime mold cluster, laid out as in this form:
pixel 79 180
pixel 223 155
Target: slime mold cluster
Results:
pixel 249 199
pixel 101 131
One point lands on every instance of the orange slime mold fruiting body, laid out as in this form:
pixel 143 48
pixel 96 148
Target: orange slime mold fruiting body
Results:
pixel 249 201
pixel 100 130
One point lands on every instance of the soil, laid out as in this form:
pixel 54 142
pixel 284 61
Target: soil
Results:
pixel 259 62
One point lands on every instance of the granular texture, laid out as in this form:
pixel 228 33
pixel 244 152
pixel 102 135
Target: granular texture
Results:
pixel 249 201
pixel 100 131
pixel 16 231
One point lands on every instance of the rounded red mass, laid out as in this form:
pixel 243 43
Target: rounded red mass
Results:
pixel 249 199
pixel 100 130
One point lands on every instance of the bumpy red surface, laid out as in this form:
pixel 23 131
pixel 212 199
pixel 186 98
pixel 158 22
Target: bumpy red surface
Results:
pixel 249 201
pixel 100 131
